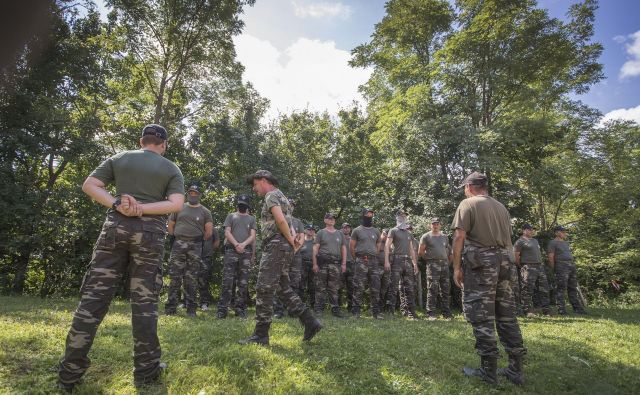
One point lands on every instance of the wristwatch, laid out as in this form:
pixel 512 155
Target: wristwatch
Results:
pixel 115 204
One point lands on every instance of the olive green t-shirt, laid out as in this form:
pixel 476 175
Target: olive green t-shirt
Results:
pixel 297 225
pixel 366 239
pixel 347 241
pixel 190 221
pixel 486 221
pixel 145 175
pixel 241 225
pixel 402 240
pixel 330 243
pixel 207 246
pixel 561 250
pixel 307 249
pixel 268 225
pixel 437 247
pixel 529 250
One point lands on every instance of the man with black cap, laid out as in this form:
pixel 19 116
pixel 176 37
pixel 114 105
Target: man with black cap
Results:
pixel 279 243
pixel 561 260
pixel 329 261
pixel 365 245
pixel 240 233
pixel 295 271
pixel 147 188
pixel 404 265
pixel 190 227
pixel 307 285
pixel 346 279
pixel 435 248
pixel 483 228
pixel 529 259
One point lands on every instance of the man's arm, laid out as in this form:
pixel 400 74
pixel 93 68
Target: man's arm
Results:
pixel 95 188
pixel 414 258
pixel 343 251
pixel 171 226
pixel 173 204
pixel 283 226
pixel 552 259
pixel 314 257
pixel 352 247
pixel 422 249
pixel 458 244
pixel 208 230
pixel 387 248
pixel 516 253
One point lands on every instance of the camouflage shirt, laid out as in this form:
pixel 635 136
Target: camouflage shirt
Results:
pixel 269 228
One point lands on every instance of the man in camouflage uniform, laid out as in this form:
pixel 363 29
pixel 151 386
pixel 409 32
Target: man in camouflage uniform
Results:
pixel 365 246
pixel 190 227
pixel 307 282
pixel 529 260
pixel 346 279
pixel 148 187
pixel 329 260
pixel 485 280
pixel 435 248
pixel 240 233
pixel 402 294
pixel 386 274
pixel 279 244
pixel 295 271
pixel 561 260
pixel 209 247
pixel 405 264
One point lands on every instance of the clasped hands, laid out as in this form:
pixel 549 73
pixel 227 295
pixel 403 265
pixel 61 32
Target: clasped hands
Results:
pixel 129 206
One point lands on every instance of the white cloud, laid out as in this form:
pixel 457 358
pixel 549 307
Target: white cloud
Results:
pixel 626 114
pixel 304 9
pixel 310 74
pixel 631 67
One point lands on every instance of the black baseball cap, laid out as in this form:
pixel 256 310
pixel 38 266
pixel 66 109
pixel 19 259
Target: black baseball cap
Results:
pixel 329 215
pixel 559 228
pixel 309 226
pixel 244 199
pixel 194 188
pixel 475 178
pixel 527 226
pixel 155 130
pixel 266 174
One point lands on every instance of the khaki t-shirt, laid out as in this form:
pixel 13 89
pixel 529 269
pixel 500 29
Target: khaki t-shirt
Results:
pixel 207 246
pixel 330 243
pixel 190 221
pixel 241 225
pixel 297 225
pixel 145 175
pixel 347 241
pixel 307 249
pixel 437 247
pixel 486 221
pixel 366 239
pixel 529 250
pixel 561 250
pixel 402 240
pixel 267 221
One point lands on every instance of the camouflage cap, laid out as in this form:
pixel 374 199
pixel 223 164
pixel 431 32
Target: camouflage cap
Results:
pixel 527 226
pixel 346 224
pixel 155 130
pixel 266 174
pixel 329 216
pixel 244 199
pixel 475 178
pixel 194 188
pixel 435 220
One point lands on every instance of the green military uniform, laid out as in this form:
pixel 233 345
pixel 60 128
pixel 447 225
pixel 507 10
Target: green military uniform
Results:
pixel 329 268
pixel 295 270
pixel 133 245
pixel 385 278
pixel 346 278
pixel 206 270
pixel 186 255
pixel 307 281
pixel 565 271
pixel 437 254
pixel 366 268
pixel 402 269
pixel 533 273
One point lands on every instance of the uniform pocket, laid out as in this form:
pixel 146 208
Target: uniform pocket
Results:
pixel 107 238
pixel 472 259
pixel 158 281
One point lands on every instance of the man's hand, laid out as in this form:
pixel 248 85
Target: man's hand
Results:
pixel 315 268
pixel 344 268
pixel 239 248
pixel 458 277
pixel 387 267
pixel 415 269
pixel 297 244
pixel 129 206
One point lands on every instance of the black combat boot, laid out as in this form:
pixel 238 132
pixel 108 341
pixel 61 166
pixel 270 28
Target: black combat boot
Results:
pixel 514 371
pixel 222 314
pixel 335 311
pixel 260 335
pixel 487 371
pixel 141 382
pixel 311 324
pixel 191 311
pixel 411 314
pixel 355 312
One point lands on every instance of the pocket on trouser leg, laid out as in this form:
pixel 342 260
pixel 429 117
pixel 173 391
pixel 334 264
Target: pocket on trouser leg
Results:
pixel 158 281
pixel 107 239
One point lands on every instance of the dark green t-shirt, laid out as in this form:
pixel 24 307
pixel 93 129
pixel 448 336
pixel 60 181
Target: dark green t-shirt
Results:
pixel 207 246
pixel 145 175
pixel 486 221
pixel 190 221
pixel 402 240
pixel 330 243
pixel 297 225
pixel 347 241
pixel 529 250
pixel 437 247
pixel 241 225
pixel 267 221
pixel 307 249
pixel 561 250
pixel 365 239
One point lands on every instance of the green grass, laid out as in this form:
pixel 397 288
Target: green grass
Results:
pixel 598 354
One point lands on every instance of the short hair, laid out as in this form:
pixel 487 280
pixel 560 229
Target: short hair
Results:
pixel 150 139
pixel 478 188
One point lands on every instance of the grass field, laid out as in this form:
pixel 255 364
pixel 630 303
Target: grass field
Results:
pixel 598 354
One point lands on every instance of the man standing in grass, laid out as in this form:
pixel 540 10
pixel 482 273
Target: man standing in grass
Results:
pixel 347 277
pixel 279 244
pixel 529 260
pixel 147 188
pixel 307 281
pixel 329 261
pixel 405 264
pixel 561 260
pixel 295 271
pixel 364 245
pixel 434 246
pixel 488 302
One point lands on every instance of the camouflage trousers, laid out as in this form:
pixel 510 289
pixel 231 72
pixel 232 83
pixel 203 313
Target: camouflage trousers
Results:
pixel 273 280
pixel 402 272
pixel 488 301
pixel 438 283
pixel 532 274
pixel 366 270
pixel 126 245
pixel 327 282
pixel 385 280
pixel 566 281
pixel 307 283
pixel 184 264
pixel 204 280
pixel 235 273
pixel 346 283
pixel 295 280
